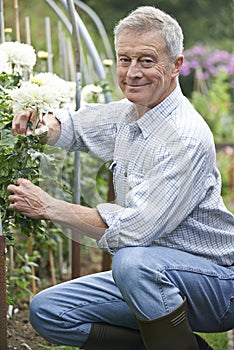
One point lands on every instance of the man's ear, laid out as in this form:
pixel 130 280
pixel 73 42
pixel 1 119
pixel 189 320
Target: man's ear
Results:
pixel 177 65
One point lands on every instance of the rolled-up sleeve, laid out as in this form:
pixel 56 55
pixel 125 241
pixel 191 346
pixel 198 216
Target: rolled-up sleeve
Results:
pixel 91 129
pixel 67 129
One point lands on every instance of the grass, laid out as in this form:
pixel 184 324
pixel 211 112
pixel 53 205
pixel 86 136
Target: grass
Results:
pixel 218 341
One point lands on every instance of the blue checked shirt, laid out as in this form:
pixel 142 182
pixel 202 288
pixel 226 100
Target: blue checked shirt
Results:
pixel 166 182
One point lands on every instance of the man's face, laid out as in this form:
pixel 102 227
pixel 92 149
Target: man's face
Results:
pixel 144 73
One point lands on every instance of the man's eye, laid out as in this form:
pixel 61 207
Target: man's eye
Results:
pixel 146 63
pixel 124 61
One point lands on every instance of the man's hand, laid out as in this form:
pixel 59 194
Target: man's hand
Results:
pixel 23 122
pixel 33 202
pixel 30 200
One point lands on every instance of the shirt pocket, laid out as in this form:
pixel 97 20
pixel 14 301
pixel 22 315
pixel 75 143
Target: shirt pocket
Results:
pixel 121 188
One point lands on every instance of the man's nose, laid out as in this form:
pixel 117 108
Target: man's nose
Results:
pixel 134 69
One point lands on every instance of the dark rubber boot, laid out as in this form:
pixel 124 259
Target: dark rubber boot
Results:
pixel 107 337
pixel 170 332
pixel 202 344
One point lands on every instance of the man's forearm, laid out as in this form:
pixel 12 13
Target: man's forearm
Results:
pixel 86 221
pixel 31 201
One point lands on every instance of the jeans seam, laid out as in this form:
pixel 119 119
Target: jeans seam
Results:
pixel 197 271
pixel 163 296
pixel 61 315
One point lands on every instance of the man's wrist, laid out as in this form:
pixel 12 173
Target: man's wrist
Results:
pixel 54 132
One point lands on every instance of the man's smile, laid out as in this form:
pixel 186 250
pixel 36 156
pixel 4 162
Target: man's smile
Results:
pixel 135 86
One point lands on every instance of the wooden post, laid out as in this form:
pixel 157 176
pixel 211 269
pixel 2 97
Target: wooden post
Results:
pixel 76 258
pixel 2 25
pixel 3 301
pixel 49 45
pixel 106 257
pixel 76 249
pixel 27 30
pixel 52 268
pixel 30 252
pixel 60 258
pixel 17 24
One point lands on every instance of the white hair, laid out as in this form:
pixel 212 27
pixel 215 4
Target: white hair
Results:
pixel 149 18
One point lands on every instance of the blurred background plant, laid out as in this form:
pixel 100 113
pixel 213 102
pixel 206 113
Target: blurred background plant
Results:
pixel 207 77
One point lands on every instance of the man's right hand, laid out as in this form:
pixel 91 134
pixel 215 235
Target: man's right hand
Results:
pixel 23 125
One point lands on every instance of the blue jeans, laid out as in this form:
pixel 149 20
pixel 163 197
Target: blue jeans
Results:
pixel 145 283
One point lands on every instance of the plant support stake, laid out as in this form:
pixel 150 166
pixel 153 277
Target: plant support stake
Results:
pixel 76 251
pixel 3 302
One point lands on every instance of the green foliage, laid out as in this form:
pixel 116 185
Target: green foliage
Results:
pixel 207 79
pixel 94 183
pixel 213 102
pixel 21 156
pixel 225 163
pixel 19 281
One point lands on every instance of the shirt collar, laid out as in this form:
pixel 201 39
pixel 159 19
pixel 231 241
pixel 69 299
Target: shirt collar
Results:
pixel 157 115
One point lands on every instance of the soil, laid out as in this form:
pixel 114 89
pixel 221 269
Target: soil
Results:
pixel 21 335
